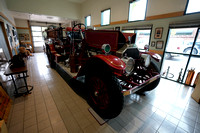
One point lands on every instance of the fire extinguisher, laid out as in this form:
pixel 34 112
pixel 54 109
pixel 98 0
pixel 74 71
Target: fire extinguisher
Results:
pixel 190 76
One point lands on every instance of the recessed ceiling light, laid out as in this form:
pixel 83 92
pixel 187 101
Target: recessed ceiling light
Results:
pixel 50 17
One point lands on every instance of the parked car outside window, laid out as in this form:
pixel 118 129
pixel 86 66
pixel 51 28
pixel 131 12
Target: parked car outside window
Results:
pixel 188 47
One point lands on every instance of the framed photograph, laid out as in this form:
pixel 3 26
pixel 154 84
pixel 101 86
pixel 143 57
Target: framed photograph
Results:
pixel 24 37
pixel 117 28
pixel 158 33
pixel 159 44
pixel 153 43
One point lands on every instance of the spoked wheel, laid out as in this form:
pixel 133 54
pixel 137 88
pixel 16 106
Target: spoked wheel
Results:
pixel 141 75
pixel 150 71
pixel 99 93
pixel 104 91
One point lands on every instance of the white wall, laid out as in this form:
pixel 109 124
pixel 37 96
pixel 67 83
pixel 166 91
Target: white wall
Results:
pixel 21 23
pixel 157 7
pixel 120 8
pixel 61 8
pixel 119 12
pixel 32 23
pixel 194 18
pixel 4 10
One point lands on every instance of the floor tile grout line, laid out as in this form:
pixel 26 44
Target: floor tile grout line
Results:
pixel 24 114
pixel 181 115
pixel 182 108
pixel 75 103
pixel 11 113
pixel 59 110
pixel 37 114
pixel 46 109
pixel 77 106
pixel 34 97
pixel 54 103
pixel 35 107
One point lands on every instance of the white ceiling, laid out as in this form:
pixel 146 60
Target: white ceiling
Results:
pixel 40 18
pixel 44 18
pixel 77 1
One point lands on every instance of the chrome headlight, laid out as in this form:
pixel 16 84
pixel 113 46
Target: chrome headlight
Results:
pixel 130 63
pixel 147 59
pixel 106 48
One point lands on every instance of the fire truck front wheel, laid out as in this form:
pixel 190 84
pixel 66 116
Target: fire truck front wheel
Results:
pixel 104 92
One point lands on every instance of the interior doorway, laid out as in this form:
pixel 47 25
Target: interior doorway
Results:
pixel 38 40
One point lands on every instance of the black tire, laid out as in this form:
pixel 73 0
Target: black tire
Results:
pixel 104 90
pixel 188 50
pixel 152 67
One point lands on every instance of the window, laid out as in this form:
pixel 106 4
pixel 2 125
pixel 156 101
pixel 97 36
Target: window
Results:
pixel 179 40
pixel 193 6
pixel 105 17
pixel 37 35
pixel 182 53
pixel 137 10
pixel 88 21
pixel 188 31
pixel 142 37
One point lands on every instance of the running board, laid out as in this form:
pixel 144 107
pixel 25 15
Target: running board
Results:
pixel 136 88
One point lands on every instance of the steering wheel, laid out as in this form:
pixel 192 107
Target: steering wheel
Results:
pixel 77 27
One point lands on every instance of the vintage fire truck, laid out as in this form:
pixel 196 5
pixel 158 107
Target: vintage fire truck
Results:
pixel 111 67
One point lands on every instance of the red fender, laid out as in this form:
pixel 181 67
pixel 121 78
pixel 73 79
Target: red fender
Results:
pixel 115 63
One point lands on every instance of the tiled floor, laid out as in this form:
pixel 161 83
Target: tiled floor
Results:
pixel 54 107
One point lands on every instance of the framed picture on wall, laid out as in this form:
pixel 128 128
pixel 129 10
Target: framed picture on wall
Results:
pixel 159 44
pixel 158 33
pixel 24 37
pixel 153 43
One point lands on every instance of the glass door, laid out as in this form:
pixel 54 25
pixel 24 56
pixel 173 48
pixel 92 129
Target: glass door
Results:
pixel 38 39
pixel 194 62
pixel 178 52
